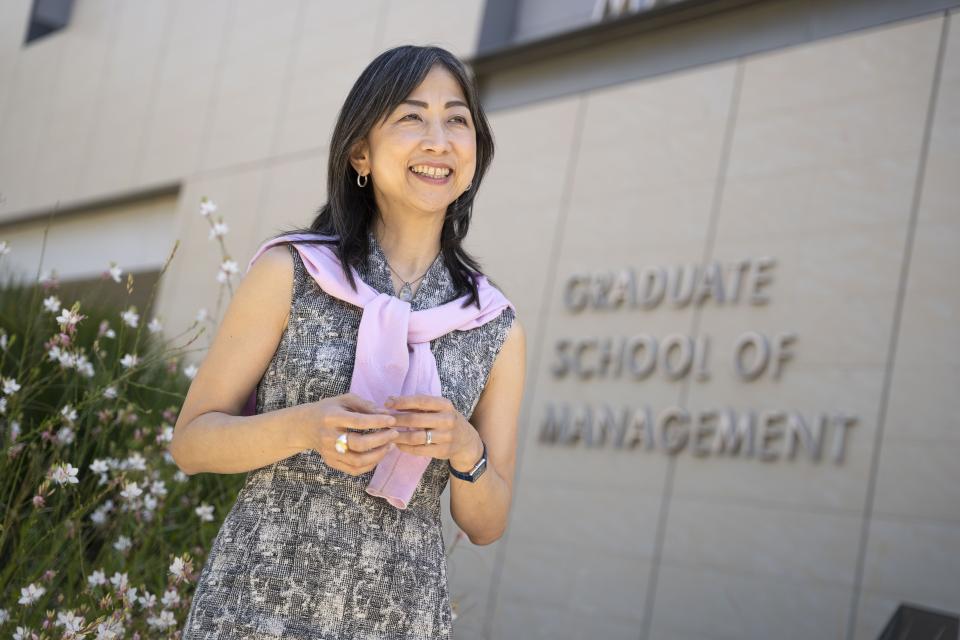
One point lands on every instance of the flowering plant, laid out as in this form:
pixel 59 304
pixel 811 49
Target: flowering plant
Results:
pixel 101 534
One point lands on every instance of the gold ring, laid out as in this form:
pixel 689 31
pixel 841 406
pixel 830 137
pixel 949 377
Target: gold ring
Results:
pixel 341 445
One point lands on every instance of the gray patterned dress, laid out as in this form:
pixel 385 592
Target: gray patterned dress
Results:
pixel 305 552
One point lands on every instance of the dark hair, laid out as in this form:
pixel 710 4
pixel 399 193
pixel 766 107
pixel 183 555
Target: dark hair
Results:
pixel 351 210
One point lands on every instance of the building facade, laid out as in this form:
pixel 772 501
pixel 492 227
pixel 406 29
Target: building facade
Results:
pixel 730 229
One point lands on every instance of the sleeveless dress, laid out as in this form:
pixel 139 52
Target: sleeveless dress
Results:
pixel 305 552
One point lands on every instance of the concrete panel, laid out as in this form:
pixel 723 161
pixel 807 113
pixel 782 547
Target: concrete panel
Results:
pixel 913 561
pixel 724 605
pixel 762 541
pixel 453 26
pixel 250 83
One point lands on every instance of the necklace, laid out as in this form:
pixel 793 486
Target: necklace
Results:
pixel 406 291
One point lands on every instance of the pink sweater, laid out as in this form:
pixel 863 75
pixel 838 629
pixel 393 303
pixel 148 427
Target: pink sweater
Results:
pixel 393 354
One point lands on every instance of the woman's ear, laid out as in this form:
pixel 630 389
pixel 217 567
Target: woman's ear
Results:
pixel 359 158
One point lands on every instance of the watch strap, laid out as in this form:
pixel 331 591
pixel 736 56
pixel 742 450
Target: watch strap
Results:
pixel 477 469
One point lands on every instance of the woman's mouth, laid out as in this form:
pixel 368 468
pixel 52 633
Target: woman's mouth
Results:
pixel 430 179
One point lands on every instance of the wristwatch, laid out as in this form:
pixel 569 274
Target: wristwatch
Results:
pixel 477 470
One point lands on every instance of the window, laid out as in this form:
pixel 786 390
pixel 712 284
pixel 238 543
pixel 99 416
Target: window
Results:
pixel 47 16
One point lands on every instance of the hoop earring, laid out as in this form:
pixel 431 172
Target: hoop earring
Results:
pixel 365 179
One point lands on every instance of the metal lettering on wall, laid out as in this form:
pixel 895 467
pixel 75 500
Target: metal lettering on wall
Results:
pixel 768 434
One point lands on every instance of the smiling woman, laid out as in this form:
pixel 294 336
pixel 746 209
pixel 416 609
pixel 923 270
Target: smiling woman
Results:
pixel 379 361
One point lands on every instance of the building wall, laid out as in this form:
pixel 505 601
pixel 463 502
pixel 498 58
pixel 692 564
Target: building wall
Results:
pixel 833 161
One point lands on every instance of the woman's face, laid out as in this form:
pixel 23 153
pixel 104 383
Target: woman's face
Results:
pixel 432 127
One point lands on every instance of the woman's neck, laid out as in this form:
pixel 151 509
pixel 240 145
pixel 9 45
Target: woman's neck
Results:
pixel 410 248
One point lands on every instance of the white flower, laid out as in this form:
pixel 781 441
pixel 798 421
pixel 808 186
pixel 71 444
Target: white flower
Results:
pixel 178 568
pixel 134 461
pixel 147 600
pixel 131 491
pixel 4 250
pixel 110 630
pixel 170 598
pixel 129 360
pixel 165 620
pixel 219 229
pixel 69 413
pixel 31 593
pixel 119 581
pixel 110 333
pixel 3 406
pixel 3 340
pixel 207 207
pixel 97 578
pixel 155 326
pixel 130 316
pixel 10 386
pixel 70 622
pixel 51 304
pixel 24 633
pixel 65 435
pixel 83 365
pixel 190 372
pixel 68 318
pixel 115 271
pixel 166 435
pixel 67 359
pixel 4 616
pixel 158 488
pixel 55 353
pixel 205 511
pixel 64 474
pixel 110 392
pixel 202 314
pixel 180 476
pixel 99 466
pixel 227 268
pixel 48 276
pixel 98 516
pixel 122 544
pixel 150 503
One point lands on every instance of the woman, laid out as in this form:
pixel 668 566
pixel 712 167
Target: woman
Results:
pixel 308 549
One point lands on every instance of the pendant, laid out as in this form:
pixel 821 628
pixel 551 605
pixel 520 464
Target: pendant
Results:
pixel 406 293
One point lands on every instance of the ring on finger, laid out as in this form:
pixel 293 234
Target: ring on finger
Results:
pixel 342 446
pixel 429 437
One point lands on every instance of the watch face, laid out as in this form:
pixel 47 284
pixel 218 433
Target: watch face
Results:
pixel 481 467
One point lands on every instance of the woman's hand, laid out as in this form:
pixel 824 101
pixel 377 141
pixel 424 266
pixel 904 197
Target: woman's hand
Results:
pixel 328 418
pixel 452 436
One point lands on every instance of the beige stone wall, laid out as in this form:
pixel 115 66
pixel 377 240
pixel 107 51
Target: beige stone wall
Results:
pixel 837 159
pixel 815 156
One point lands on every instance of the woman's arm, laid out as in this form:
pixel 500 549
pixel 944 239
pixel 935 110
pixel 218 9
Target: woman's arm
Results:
pixel 481 508
pixel 210 435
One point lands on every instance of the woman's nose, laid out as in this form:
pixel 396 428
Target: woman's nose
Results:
pixel 435 136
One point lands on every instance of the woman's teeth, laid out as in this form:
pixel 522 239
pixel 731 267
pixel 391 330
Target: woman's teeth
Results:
pixel 433 172
pixel 438 177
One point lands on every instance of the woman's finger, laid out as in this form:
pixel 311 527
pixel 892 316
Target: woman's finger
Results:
pixel 414 420
pixel 370 440
pixel 418 437
pixel 367 420
pixel 418 402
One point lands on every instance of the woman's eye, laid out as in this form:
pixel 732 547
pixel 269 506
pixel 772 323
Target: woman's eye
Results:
pixel 460 118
